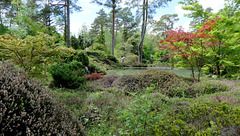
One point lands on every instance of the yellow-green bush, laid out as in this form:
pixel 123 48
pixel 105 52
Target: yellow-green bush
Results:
pixel 32 53
pixel 199 119
pixel 132 58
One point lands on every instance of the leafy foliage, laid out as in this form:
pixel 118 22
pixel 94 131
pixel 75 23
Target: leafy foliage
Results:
pixel 32 53
pixel 27 108
pixel 191 47
pixel 3 29
pixel 200 119
pixel 202 88
pixel 69 75
pixel 162 81
pixel 68 55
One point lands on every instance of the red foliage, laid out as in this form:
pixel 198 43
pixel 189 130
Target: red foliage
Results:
pixel 190 39
pixel 95 76
pixel 182 43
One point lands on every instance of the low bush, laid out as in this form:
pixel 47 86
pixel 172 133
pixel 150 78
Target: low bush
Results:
pixel 112 58
pixel 203 87
pixel 200 119
pixel 26 108
pixel 96 53
pixel 70 55
pixel 131 59
pixel 68 75
pixel 93 68
pixel 162 80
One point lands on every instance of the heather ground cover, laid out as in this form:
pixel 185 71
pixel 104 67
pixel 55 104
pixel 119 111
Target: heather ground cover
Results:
pixel 140 105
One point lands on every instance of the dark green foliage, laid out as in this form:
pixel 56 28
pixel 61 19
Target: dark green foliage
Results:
pixel 3 29
pixel 79 56
pixel 101 39
pixel 69 75
pixel 200 119
pixel 26 108
pixel 75 44
pixel 102 61
pixel 112 58
pixel 94 69
pixel 95 53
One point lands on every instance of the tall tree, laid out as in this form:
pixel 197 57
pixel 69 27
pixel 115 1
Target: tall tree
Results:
pixel 147 8
pixel 68 4
pixel 111 4
pixel 127 22
pixel 198 13
pixel 5 5
pixel 99 24
pixel 165 23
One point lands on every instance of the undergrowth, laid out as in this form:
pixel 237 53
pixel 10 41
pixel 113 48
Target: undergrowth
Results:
pixel 210 107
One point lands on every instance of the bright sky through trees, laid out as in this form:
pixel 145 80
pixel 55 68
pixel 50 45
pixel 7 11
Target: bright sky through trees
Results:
pixel 89 10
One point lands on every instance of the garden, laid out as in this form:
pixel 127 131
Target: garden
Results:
pixel 161 82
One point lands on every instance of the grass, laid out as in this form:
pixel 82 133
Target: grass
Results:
pixel 111 111
pixel 133 71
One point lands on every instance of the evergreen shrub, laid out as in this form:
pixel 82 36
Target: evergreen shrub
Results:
pixel 69 55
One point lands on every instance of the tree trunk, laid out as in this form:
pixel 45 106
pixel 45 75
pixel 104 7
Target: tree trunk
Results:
pixel 115 37
pixel 199 74
pixel 144 26
pixel 193 74
pixel 68 24
pixel 113 26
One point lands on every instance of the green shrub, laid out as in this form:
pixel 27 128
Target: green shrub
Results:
pixel 203 87
pixel 95 69
pixel 162 80
pixel 200 119
pixel 131 59
pixel 69 55
pixel 112 58
pixel 96 53
pixel 3 29
pixel 68 75
pixel 26 108
pixel 75 43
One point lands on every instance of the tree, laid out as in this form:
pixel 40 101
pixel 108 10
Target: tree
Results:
pixel 147 8
pixel 32 53
pixel 191 47
pixel 165 23
pixel 112 4
pixel 98 26
pixel 68 4
pixel 198 13
pixel 4 5
pixel 225 55
pixel 128 23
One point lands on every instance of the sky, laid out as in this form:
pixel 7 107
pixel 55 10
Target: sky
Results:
pixel 88 13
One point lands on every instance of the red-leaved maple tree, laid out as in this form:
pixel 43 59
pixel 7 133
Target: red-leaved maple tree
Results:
pixel 190 46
